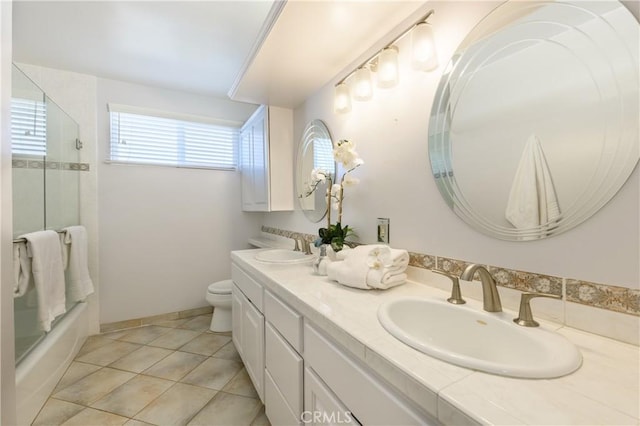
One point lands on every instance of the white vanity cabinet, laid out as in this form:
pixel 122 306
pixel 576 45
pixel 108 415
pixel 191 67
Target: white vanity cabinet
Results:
pixel 353 386
pixel 266 160
pixel 283 362
pixel 248 326
pixel 300 373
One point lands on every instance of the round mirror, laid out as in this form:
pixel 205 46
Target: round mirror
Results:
pixel 534 126
pixel 314 153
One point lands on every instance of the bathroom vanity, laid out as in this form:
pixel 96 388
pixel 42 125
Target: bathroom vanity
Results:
pixel 315 349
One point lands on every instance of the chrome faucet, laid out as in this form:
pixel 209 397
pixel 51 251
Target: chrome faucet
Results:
pixel 490 296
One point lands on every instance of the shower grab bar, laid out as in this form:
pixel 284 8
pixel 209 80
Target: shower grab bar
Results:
pixel 24 240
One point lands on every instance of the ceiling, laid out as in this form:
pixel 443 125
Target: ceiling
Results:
pixel 220 48
pixel 194 46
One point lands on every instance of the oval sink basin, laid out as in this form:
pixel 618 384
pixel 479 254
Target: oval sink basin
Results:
pixel 489 342
pixel 283 256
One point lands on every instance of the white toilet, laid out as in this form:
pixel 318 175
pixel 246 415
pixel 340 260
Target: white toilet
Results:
pixel 219 296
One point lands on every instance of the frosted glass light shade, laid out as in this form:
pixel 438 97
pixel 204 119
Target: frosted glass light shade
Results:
pixel 342 99
pixel 362 88
pixel 388 68
pixel 424 56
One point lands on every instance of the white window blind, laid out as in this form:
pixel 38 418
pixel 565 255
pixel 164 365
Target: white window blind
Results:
pixel 28 127
pixel 147 139
pixel 323 154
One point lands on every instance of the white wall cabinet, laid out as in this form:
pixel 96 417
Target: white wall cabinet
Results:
pixel 266 160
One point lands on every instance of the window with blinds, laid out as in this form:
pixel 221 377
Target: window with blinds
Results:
pixel 146 139
pixel 323 154
pixel 28 127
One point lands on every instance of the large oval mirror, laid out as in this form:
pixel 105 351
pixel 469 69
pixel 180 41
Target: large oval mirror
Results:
pixel 315 152
pixel 534 126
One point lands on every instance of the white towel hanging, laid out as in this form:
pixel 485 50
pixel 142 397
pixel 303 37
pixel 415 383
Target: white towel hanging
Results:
pixel 75 258
pixel 532 199
pixel 48 275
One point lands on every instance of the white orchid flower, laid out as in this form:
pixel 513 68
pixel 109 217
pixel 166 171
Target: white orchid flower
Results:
pixel 379 257
pixel 350 181
pixel 318 175
pixel 335 190
pixel 356 162
pixel 335 205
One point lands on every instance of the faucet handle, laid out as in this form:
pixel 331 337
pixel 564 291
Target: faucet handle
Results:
pixel 525 317
pixel 306 246
pixel 456 294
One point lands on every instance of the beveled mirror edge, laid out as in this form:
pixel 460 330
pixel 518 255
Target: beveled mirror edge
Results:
pixel 314 126
pixel 440 156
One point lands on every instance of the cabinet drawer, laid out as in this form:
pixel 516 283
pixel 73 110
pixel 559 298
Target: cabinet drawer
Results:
pixel 276 407
pixel 285 367
pixel 369 399
pixel 321 406
pixel 248 285
pixel 287 321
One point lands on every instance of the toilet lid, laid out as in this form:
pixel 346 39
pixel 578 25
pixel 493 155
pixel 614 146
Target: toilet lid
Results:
pixel 221 287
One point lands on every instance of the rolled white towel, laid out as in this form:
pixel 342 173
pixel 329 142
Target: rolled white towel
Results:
pixel 378 254
pixel 383 278
pixel 348 275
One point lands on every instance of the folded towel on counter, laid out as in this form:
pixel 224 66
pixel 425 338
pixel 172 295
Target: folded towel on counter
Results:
pixel 370 266
pixel 75 259
pixel 352 274
pixel 48 275
pixel 22 280
pixel 385 255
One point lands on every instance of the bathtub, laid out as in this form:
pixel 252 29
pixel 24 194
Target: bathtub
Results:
pixel 38 373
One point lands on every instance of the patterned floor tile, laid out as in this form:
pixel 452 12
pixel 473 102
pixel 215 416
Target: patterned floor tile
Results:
pixel 127 400
pixel 226 409
pixel 174 338
pixel 107 354
pixel 206 344
pixel 141 359
pixel 175 366
pixel 56 412
pixel 94 386
pixel 214 373
pixel 177 405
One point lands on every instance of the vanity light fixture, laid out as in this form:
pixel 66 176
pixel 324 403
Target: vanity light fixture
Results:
pixel 387 67
pixel 342 102
pixel 424 56
pixel 363 87
pixel 385 63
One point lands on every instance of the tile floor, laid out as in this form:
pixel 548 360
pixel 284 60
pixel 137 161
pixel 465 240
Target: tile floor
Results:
pixel 169 373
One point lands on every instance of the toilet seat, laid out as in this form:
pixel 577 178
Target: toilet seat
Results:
pixel 220 287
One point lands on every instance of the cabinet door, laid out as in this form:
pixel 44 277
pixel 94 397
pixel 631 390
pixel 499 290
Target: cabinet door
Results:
pixel 254 161
pixel 236 319
pixel 253 345
pixel 321 406
pixel 260 160
pixel 246 166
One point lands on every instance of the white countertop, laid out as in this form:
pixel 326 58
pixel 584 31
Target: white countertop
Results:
pixel 605 390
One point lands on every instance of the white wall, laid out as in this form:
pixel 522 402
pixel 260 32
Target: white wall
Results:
pixel 165 233
pixel 396 182
pixel 7 346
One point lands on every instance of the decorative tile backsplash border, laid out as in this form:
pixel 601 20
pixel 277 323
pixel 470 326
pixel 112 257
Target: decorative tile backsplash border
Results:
pixel 49 165
pixel 603 296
